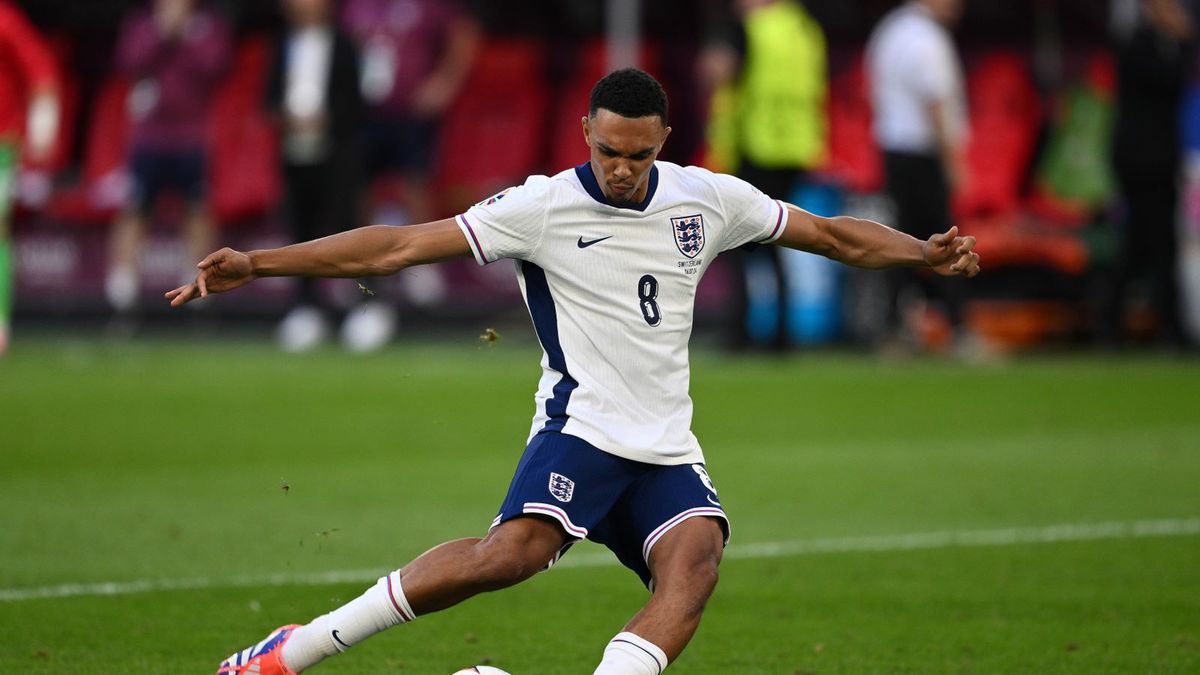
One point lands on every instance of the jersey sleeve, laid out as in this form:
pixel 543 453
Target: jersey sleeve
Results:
pixel 750 215
pixel 508 224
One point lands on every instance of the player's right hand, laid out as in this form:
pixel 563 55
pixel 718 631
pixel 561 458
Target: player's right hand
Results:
pixel 221 271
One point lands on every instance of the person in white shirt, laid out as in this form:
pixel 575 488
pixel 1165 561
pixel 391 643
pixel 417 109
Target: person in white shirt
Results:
pixel 608 255
pixel 314 97
pixel 920 124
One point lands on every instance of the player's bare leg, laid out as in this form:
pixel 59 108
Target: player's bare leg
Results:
pixel 511 553
pixel 684 568
pixel 439 578
pixel 684 564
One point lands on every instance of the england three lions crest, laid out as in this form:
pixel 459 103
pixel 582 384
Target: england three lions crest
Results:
pixel 561 487
pixel 689 234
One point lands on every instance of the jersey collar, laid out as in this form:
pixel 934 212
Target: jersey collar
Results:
pixel 589 182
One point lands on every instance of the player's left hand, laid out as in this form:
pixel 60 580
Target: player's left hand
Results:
pixel 951 255
pixel 220 271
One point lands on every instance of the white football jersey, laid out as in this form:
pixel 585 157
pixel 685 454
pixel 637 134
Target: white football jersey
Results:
pixel 611 289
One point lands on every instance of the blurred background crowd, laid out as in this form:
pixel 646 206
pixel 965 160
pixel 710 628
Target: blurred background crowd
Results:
pixel 136 136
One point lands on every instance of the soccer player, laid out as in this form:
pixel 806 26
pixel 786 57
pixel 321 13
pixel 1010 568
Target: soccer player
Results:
pixel 608 256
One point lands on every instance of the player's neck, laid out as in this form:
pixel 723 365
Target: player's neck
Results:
pixel 640 200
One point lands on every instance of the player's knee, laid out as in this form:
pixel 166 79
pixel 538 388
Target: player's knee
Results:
pixel 698 574
pixel 702 576
pixel 511 555
pixel 500 566
pixel 690 586
pixel 691 577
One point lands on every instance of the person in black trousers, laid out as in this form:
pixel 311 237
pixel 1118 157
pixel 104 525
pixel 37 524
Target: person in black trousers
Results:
pixel 1155 60
pixel 313 90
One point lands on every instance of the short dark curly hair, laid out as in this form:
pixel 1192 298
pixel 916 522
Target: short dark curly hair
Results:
pixel 629 92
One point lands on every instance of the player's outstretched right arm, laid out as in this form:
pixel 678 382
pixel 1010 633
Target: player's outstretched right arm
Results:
pixel 375 250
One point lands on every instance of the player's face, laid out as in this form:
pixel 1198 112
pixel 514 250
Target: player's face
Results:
pixel 623 150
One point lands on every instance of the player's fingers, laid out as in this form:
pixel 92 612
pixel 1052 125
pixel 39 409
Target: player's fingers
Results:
pixel 211 259
pixel 966 244
pixel 947 237
pixel 200 280
pixel 961 264
pixel 968 265
pixel 182 294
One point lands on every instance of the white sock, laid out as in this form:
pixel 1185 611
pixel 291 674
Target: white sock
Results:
pixel 628 654
pixel 380 608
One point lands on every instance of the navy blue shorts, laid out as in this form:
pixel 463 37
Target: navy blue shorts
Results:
pixel 156 170
pixel 403 144
pixel 625 505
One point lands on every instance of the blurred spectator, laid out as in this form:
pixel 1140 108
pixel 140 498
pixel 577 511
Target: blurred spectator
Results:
pixel 313 91
pixel 773 69
pixel 920 124
pixel 175 52
pixel 1155 59
pixel 415 57
pixel 29 114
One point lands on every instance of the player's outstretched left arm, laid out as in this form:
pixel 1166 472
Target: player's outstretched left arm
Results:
pixel 865 243
pixel 375 250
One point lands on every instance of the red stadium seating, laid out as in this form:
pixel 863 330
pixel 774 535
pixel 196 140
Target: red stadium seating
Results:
pixel 60 155
pixel 244 175
pixel 1005 113
pixel 36 177
pixel 571 102
pixel 103 183
pixel 494 133
pixel 854 158
pixel 244 179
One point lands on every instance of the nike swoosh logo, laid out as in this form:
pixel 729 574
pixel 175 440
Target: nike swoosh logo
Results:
pixel 339 640
pixel 584 244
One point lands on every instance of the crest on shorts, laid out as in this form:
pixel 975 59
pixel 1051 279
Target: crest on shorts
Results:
pixel 561 487
pixel 689 234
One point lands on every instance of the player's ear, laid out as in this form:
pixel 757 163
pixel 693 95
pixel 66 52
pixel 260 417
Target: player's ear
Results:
pixel 587 130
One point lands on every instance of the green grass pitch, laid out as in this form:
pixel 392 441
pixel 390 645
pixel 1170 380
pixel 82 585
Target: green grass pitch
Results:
pixel 225 476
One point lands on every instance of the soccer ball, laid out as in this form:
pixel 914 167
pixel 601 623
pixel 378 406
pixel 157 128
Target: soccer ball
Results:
pixel 482 670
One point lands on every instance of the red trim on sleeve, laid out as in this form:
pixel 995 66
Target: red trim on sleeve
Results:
pixel 474 239
pixel 778 223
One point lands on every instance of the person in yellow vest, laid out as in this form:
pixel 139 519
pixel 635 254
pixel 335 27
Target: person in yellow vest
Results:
pixel 768 120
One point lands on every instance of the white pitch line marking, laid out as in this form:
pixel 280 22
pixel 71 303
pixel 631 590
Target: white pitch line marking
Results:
pixel 1012 536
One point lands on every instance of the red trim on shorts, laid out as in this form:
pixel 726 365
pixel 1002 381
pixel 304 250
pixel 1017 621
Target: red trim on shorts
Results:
pixel 679 518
